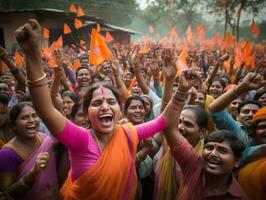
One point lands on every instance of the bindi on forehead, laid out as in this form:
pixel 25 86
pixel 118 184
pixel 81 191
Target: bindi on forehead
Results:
pixel 102 91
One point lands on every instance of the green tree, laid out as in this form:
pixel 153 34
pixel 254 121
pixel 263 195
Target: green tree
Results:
pixel 231 11
pixel 119 12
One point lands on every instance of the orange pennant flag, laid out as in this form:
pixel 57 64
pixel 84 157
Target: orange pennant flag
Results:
pixel 58 44
pixel 46 33
pixel 19 61
pixel 173 32
pixel 46 52
pixel 52 62
pixel 108 37
pixel 254 29
pixel 75 65
pixel 80 12
pixel 98 27
pixel 200 31
pixel 67 30
pixel 72 8
pixel 77 23
pixel 181 62
pixel 144 50
pixel 99 51
pixel 189 34
pixel 151 29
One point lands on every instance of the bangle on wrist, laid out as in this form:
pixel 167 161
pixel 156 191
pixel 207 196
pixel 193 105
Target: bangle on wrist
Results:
pixel 38 79
pixel 38 84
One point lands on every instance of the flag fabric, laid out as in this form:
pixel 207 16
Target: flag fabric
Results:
pixel 75 65
pixel 80 12
pixel 108 37
pixel 19 61
pixel 99 51
pixel 67 30
pixel 52 62
pixel 72 8
pixel 98 27
pixel 77 23
pixel 58 44
pixel 189 35
pixel 254 29
pixel 151 29
pixel 200 31
pixel 173 32
pixel 144 50
pixel 181 62
pixel 45 33
pixel 46 52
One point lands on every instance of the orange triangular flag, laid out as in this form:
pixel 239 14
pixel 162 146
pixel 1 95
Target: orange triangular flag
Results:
pixel 52 62
pixel 46 52
pixel 108 37
pixel 99 51
pixel 181 62
pixel 58 43
pixel 72 8
pixel 80 12
pixel 19 61
pixel 151 29
pixel 75 65
pixel 189 34
pixel 254 29
pixel 46 33
pixel 144 50
pixel 77 23
pixel 98 27
pixel 67 30
pixel 173 32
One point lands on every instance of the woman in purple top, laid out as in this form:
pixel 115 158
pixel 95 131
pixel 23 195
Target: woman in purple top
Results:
pixel 27 165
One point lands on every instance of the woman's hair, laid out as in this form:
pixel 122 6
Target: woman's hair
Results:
pixel 220 80
pixel 15 111
pixel 75 109
pixel 200 113
pixel 89 94
pixel 220 136
pixel 132 98
pixel 71 95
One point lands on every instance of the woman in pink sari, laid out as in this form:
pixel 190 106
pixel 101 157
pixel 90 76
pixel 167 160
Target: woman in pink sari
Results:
pixel 27 164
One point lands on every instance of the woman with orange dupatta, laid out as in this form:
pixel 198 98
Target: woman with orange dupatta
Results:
pixel 103 158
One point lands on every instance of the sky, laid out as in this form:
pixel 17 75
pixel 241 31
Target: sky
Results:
pixel 142 4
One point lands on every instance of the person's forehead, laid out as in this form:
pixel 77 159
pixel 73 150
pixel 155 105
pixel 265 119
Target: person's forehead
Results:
pixel 224 144
pixel 98 93
pixel 83 70
pixel 250 106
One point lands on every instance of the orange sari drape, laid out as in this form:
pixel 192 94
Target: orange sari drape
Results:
pixel 113 176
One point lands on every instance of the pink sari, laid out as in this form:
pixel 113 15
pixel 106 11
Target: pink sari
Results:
pixel 45 186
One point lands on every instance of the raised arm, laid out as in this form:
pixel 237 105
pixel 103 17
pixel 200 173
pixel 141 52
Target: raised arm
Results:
pixel 29 38
pixel 186 80
pixel 252 81
pixel 135 60
pixel 17 73
pixel 118 79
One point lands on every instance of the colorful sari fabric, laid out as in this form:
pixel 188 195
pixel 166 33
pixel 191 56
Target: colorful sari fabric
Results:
pixel 252 178
pixel 113 176
pixel 45 186
pixel 168 173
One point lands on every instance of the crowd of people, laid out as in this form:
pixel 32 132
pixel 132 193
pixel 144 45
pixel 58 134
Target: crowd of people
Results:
pixel 136 126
